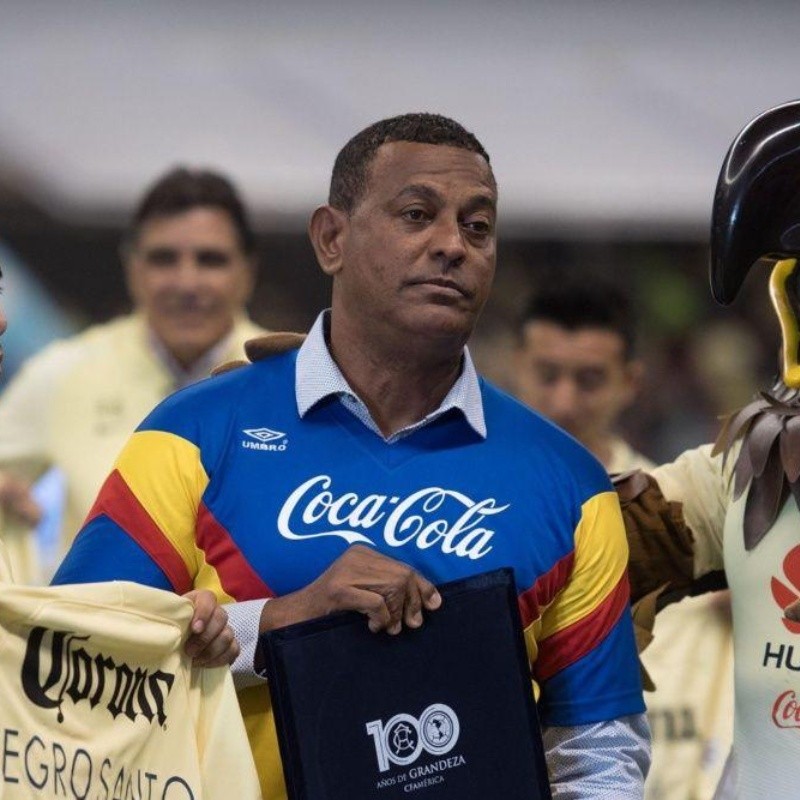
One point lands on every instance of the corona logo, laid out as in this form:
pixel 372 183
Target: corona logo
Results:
pixel 56 665
pixel 786 595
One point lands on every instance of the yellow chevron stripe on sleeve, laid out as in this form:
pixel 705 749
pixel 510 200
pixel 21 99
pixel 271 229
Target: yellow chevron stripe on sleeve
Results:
pixel 166 476
pixel 601 558
pixel 208 578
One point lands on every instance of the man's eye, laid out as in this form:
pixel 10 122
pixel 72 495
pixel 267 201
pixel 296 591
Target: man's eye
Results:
pixel 415 215
pixel 212 258
pixel 480 227
pixel 547 375
pixel 161 257
pixel 591 380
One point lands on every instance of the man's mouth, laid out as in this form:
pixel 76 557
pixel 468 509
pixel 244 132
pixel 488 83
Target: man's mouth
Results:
pixel 187 311
pixel 444 283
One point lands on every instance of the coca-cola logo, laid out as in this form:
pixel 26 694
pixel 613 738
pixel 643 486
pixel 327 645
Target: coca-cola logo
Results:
pixel 786 710
pixel 56 666
pixel 785 595
pixel 429 517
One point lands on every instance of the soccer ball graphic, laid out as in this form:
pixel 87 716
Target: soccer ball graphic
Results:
pixel 439 728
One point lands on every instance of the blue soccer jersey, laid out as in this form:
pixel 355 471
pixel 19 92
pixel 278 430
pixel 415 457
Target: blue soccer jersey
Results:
pixel 226 487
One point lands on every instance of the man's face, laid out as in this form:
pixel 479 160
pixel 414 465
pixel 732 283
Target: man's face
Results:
pixel 189 276
pixel 578 378
pixel 418 252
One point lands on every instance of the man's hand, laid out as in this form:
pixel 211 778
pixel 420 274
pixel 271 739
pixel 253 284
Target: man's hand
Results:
pixel 211 642
pixel 388 592
pixel 17 501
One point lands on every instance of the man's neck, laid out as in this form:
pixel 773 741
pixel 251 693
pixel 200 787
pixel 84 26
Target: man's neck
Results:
pixel 399 387
pixel 184 370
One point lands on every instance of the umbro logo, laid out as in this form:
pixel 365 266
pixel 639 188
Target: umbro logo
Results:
pixel 264 439
pixel 263 434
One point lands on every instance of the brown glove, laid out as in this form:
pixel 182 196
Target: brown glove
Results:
pixel 661 544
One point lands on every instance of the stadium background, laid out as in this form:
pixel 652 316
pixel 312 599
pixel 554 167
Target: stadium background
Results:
pixel 606 123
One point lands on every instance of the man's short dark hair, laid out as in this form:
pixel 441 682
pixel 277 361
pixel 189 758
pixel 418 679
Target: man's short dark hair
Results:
pixel 349 177
pixel 183 189
pixel 585 303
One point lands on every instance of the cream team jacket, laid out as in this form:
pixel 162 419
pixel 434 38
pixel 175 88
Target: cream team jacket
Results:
pixel 73 406
pixel 691 663
pixel 624 458
pixel 99 701
pixel 763 582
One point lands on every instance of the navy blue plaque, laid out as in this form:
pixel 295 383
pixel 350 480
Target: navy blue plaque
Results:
pixel 443 712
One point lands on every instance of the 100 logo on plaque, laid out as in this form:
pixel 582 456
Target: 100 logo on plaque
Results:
pixel 403 738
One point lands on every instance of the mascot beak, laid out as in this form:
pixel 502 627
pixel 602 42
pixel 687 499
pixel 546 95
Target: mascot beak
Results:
pixel 757 202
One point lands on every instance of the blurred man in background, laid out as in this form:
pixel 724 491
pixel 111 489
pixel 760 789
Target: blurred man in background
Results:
pixel 189 259
pixel 575 363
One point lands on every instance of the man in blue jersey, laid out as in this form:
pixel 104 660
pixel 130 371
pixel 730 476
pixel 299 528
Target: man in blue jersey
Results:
pixel 359 469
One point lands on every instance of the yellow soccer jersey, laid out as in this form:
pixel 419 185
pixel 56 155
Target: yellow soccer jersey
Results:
pixel 99 700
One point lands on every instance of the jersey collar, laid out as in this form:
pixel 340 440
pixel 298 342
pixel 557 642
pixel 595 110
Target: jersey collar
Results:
pixel 318 377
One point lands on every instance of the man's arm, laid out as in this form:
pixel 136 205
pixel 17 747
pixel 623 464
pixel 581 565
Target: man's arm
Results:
pixel 142 528
pixel 674 521
pixel 597 740
pixel 24 428
pixel 25 454
pixel 389 593
pixel 701 483
pixel 104 551
pixel 603 759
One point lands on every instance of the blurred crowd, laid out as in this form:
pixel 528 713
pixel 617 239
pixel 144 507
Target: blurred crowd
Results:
pixel 700 361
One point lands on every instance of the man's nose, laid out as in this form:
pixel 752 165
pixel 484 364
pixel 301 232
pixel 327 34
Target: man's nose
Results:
pixel 188 273
pixel 448 242
pixel 564 400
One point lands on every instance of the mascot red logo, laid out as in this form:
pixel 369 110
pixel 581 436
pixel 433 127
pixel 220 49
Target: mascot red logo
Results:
pixel 786 595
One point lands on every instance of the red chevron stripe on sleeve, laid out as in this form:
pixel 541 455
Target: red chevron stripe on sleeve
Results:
pixel 236 576
pixel 117 502
pixel 532 601
pixel 570 644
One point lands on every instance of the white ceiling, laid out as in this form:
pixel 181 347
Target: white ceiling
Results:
pixel 595 112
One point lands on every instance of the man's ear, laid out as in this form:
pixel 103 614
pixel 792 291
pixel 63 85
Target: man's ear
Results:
pixel 327 230
pixel 253 266
pixel 634 378
pixel 127 258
